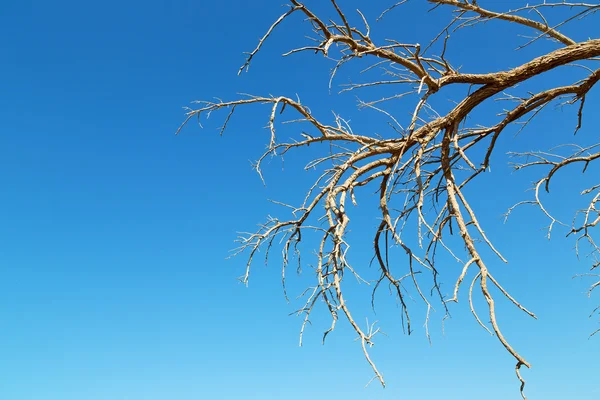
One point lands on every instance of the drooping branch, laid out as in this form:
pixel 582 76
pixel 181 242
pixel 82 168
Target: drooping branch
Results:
pixel 425 166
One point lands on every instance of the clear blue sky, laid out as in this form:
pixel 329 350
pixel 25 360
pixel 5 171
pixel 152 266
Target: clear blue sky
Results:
pixel 114 232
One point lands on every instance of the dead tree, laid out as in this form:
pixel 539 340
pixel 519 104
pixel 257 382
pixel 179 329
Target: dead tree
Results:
pixel 428 162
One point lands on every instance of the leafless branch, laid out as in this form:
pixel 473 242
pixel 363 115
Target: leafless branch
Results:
pixel 421 173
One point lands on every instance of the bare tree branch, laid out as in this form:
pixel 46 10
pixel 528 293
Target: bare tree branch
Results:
pixel 421 173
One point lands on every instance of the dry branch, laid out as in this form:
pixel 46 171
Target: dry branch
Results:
pixel 429 163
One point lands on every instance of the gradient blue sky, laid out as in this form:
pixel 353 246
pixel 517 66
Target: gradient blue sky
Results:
pixel 114 232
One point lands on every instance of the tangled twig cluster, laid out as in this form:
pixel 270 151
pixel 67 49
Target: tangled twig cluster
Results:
pixel 427 165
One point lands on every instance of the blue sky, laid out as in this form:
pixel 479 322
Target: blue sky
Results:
pixel 114 231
